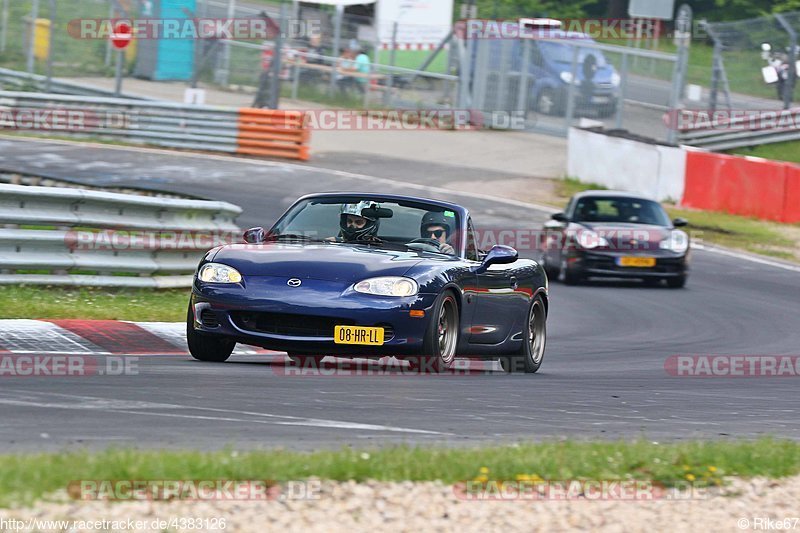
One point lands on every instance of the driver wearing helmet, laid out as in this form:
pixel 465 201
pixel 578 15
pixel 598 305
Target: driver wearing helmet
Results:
pixel 354 226
pixel 437 227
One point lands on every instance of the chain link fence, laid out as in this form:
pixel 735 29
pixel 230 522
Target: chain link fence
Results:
pixel 314 51
pixel 551 83
pixel 746 74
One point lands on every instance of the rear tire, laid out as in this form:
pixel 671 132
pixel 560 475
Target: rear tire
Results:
pixel 531 353
pixel 206 347
pixel 441 338
pixel 551 271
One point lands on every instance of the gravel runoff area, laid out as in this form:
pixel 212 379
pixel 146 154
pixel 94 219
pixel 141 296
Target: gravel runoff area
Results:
pixel 742 505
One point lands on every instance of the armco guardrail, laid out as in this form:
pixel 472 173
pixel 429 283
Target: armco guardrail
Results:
pixel 14 79
pixel 231 130
pixel 742 130
pixel 76 237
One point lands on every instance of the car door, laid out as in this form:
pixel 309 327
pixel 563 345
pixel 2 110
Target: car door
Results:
pixel 497 302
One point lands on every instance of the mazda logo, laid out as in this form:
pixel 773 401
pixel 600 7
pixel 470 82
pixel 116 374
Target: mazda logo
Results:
pixel 294 282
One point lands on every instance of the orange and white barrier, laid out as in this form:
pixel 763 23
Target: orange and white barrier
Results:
pixel 273 133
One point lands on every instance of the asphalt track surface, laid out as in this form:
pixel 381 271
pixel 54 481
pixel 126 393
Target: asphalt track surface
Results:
pixel 603 374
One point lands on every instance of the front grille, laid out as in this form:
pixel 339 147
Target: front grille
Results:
pixel 209 319
pixel 289 325
pixel 388 331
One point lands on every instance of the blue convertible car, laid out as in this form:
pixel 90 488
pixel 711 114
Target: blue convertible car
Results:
pixel 369 275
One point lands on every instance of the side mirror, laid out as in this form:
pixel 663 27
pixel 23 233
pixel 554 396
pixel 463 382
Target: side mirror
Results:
pixel 255 235
pixel 560 217
pixel 498 255
pixel 680 222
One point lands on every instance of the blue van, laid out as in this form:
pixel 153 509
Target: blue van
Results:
pixel 597 83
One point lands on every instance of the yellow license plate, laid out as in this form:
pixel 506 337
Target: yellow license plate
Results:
pixel 640 262
pixel 358 335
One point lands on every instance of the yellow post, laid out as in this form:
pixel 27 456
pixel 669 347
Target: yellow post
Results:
pixel 41 39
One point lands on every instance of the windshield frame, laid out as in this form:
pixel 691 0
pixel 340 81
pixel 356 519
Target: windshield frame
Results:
pixel 573 214
pixel 458 241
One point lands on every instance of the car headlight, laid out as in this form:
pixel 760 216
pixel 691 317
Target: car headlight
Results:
pixel 387 286
pixel 677 241
pixel 590 240
pixel 218 273
pixel 615 79
pixel 567 77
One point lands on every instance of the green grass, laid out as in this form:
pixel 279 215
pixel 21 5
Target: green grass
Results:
pixel 568 187
pixel 142 305
pixel 27 477
pixel 414 59
pixel 786 151
pixel 733 231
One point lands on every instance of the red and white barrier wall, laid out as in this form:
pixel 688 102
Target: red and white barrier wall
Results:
pixel 747 186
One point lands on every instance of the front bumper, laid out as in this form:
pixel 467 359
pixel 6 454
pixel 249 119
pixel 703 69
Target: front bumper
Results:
pixel 301 320
pixel 605 264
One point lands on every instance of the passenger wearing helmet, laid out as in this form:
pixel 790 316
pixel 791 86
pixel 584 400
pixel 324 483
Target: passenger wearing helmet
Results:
pixel 354 226
pixel 437 227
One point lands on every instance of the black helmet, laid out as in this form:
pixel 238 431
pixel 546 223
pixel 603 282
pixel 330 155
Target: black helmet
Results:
pixel 435 218
pixel 369 230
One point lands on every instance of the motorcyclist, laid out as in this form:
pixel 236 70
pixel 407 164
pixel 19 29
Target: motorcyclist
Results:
pixel 436 226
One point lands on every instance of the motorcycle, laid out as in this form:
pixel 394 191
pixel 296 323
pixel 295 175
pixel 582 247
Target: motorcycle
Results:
pixel 778 70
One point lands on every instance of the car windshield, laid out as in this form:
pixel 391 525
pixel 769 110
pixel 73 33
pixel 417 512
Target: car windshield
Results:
pixel 400 223
pixel 622 210
pixel 562 53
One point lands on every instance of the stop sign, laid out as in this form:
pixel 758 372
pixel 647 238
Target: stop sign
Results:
pixel 122 36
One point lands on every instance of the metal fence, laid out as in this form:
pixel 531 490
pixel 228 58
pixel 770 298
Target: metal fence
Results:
pixel 165 124
pixel 322 79
pixel 13 80
pixel 270 133
pixel 237 64
pixel 735 77
pixel 59 236
pixel 549 84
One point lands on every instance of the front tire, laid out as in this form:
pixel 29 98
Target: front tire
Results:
pixel 441 338
pixel 568 276
pixel 206 347
pixel 531 353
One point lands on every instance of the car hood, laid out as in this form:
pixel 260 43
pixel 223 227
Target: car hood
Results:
pixel 331 262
